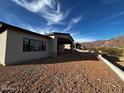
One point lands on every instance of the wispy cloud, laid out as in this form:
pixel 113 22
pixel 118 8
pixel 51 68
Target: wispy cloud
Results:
pixel 85 39
pixel 78 37
pixel 11 19
pixel 73 22
pixel 116 22
pixel 43 30
pixel 110 18
pixel 51 11
pixel 110 1
pixel 14 20
pixel 46 30
pixel 48 9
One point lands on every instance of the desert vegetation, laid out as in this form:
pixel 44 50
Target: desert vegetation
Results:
pixel 108 50
pixel 113 46
pixel 122 47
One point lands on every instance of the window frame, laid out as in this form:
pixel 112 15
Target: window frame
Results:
pixel 24 50
pixel 41 45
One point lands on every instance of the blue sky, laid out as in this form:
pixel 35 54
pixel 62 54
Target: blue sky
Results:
pixel 85 20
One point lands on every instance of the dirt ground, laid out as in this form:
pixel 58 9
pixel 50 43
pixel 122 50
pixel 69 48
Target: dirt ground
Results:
pixel 71 73
pixel 121 62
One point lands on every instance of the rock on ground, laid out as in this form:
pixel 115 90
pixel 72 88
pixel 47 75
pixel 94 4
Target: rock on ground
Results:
pixel 76 76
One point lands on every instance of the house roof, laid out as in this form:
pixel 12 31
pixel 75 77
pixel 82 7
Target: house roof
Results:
pixel 58 33
pixel 4 26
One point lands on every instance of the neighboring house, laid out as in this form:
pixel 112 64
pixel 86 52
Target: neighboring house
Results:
pixel 17 44
pixel 77 46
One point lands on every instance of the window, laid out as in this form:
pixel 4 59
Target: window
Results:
pixel 43 46
pixel 26 44
pixel 34 45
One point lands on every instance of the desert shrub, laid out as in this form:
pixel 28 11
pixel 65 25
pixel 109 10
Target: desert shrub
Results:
pixel 106 50
pixel 93 49
pixel 112 51
pixel 122 50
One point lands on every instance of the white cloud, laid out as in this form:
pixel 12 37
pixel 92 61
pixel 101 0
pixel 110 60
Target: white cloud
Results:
pixel 74 34
pixel 109 18
pixel 76 20
pixel 51 11
pixel 72 23
pixel 116 22
pixel 78 38
pixel 85 39
pixel 41 30
pixel 12 19
pixel 46 30
pixel 48 9
pixel 110 1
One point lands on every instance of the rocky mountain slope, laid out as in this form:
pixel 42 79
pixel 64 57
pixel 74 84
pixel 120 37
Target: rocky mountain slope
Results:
pixel 114 42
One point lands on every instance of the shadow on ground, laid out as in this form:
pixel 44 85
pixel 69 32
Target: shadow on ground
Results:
pixel 70 57
pixel 113 60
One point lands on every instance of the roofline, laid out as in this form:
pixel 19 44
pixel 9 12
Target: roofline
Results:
pixel 58 33
pixel 6 26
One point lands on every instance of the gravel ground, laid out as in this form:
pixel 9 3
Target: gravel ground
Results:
pixel 71 73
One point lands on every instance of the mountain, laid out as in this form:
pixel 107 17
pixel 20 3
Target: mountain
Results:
pixel 114 42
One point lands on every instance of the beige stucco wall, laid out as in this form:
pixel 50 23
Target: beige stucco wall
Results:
pixel 3 36
pixel 15 47
pixel 11 47
pixel 53 46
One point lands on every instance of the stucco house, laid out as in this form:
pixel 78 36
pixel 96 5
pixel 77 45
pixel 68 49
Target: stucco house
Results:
pixel 17 44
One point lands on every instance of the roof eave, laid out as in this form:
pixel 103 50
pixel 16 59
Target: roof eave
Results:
pixel 7 26
pixel 55 33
